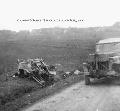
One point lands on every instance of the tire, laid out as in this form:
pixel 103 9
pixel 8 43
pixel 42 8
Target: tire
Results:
pixel 87 79
pixel 86 73
pixel 21 73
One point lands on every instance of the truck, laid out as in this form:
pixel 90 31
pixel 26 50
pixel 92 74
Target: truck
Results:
pixel 105 62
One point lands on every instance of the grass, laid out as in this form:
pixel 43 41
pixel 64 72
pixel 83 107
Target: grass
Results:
pixel 12 89
pixel 29 93
pixel 70 51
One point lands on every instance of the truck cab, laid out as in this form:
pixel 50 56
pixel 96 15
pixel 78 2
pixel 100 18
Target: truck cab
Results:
pixel 105 60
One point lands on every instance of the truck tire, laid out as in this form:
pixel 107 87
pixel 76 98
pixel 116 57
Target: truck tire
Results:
pixel 86 74
pixel 87 79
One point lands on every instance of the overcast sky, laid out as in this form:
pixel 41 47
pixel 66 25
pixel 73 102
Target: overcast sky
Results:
pixel 92 12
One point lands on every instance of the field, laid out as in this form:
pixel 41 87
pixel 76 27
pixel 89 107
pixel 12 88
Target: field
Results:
pixel 20 99
pixel 69 47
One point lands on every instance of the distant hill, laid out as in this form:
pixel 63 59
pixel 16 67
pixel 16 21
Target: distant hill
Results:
pixel 68 46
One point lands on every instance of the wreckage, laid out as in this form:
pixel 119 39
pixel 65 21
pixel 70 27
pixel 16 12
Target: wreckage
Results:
pixel 35 69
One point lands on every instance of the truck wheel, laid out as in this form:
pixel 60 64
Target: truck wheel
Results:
pixel 86 73
pixel 87 79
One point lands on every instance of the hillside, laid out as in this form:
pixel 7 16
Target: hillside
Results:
pixel 67 46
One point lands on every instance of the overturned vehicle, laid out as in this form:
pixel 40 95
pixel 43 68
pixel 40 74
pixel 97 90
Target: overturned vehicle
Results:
pixel 105 62
pixel 35 69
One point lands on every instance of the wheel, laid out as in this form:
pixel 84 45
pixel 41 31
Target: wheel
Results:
pixel 87 79
pixel 21 73
pixel 86 74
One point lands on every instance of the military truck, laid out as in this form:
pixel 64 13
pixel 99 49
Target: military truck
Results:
pixel 105 62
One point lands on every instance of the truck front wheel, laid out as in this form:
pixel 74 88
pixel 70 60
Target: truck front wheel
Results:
pixel 87 79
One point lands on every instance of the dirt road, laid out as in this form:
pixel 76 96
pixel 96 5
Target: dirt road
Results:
pixel 102 95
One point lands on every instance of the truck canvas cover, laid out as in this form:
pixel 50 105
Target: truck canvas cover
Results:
pixel 108 46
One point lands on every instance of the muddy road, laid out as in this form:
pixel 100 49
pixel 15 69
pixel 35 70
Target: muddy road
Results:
pixel 101 95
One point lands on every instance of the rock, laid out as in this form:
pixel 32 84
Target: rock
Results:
pixel 53 72
pixel 77 72
pixel 67 73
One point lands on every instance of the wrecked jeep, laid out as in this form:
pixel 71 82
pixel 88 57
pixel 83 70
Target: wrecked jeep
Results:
pixel 105 62
pixel 35 69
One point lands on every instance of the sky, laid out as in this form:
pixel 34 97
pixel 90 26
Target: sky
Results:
pixel 87 13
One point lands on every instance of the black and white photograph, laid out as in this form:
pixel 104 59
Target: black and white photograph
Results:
pixel 59 55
